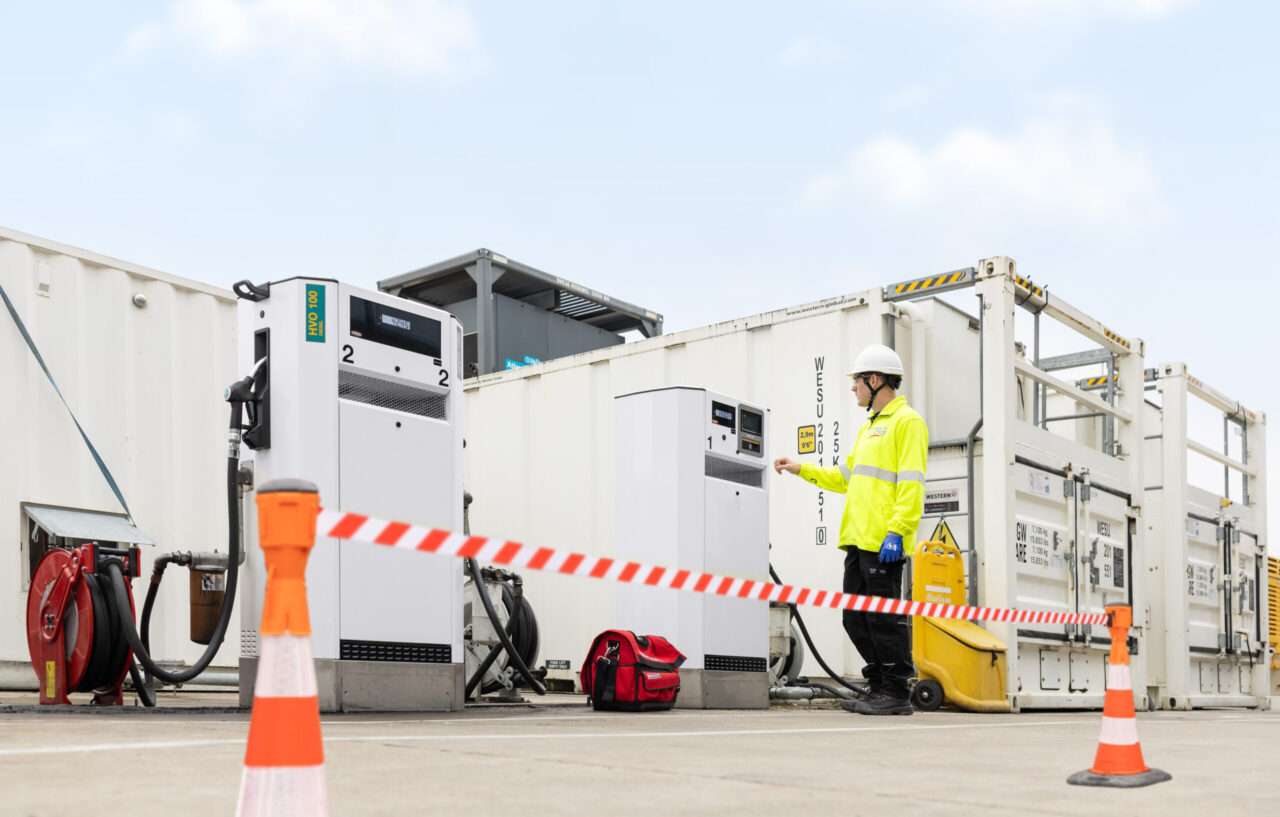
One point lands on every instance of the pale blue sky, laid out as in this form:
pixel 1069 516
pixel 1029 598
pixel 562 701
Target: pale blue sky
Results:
pixel 705 160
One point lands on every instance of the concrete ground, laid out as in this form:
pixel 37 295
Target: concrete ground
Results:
pixel 557 756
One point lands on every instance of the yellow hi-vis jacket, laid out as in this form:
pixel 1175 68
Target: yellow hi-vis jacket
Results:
pixel 883 479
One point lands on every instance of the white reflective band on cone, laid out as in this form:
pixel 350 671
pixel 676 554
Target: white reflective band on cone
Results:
pixel 1119 731
pixel 1118 677
pixel 285 667
pixel 283 790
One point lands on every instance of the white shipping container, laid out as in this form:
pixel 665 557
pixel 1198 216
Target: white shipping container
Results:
pixel 540 462
pixel 142 358
pixel 1208 582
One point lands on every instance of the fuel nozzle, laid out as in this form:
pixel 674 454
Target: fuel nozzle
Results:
pixel 248 396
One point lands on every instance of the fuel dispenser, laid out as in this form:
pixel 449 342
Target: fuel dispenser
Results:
pixel 360 393
pixel 692 492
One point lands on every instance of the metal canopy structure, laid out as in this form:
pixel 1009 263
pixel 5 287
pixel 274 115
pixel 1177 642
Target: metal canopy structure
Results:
pixel 483 273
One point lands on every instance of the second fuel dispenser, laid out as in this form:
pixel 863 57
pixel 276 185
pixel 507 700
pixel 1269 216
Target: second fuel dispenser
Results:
pixel 360 393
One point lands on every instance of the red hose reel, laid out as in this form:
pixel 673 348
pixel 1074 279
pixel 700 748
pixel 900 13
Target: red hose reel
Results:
pixel 74 631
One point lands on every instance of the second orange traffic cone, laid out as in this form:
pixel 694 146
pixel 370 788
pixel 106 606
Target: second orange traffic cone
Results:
pixel 284 762
pixel 1119 760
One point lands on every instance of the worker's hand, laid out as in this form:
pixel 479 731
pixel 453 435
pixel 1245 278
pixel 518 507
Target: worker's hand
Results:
pixel 785 464
pixel 891 548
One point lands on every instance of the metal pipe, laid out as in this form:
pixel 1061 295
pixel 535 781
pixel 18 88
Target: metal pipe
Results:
pixel 1035 385
pixel 971 441
pixel 1244 457
pixel 919 330
pixel 1077 417
pixel 230 678
pixel 1109 425
pixel 1226 452
pixel 801 693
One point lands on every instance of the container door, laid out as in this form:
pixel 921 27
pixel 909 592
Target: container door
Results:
pixel 1105 558
pixel 1244 621
pixel 1044 528
pixel 1206 616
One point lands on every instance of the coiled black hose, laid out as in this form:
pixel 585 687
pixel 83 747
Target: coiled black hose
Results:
pixel 523 668
pixel 522 629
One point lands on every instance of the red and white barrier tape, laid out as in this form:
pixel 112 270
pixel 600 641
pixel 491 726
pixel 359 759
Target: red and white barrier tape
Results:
pixel 340 525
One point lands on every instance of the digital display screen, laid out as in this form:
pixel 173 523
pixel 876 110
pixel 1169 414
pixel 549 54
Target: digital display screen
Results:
pixel 751 422
pixel 394 327
pixel 722 415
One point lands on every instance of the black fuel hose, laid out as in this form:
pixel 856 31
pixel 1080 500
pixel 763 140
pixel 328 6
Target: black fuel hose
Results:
pixel 795 613
pixel 147 697
pixel 512 652
pixel 526 635
pixel 233 574
pixel 145 693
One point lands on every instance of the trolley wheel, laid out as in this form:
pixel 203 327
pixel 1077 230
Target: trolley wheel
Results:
pixel 926 695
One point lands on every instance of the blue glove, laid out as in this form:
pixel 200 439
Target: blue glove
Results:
pixel 891 548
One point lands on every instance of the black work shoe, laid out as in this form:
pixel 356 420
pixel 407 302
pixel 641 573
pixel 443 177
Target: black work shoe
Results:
pixel 882 704
pixel 851 704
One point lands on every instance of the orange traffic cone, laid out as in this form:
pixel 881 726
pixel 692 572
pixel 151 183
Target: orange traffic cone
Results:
pixel 1119 760
pixel 284 762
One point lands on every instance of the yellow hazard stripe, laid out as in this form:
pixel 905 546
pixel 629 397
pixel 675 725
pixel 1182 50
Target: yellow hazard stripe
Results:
pixel 1025 284
pixel 1115 337
pixel 921 284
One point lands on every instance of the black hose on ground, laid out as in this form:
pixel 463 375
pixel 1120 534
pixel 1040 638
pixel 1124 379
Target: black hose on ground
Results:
pixel 858 691
pixel 140 686
pixel 233 573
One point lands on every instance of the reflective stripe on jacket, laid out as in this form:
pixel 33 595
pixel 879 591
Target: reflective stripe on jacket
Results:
pixel 883 479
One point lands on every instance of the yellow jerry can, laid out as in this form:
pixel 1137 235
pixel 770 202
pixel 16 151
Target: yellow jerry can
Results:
pixel 956 660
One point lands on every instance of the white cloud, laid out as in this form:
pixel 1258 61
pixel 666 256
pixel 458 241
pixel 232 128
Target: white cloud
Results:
pixel 1066 164
pixel 811 51
pixel 405 37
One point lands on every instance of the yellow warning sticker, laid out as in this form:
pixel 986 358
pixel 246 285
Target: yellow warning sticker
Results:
pixel 807 439
pixel 942 533
pixel 50 679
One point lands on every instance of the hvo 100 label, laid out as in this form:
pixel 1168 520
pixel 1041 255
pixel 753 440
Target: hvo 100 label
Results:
pixel 315 313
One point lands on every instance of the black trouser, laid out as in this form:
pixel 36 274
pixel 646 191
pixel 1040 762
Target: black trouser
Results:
pixel 883 641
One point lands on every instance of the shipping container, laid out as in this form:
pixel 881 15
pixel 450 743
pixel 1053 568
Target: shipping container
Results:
pixel 142 358
pixel 1207 582
pixel 1059 533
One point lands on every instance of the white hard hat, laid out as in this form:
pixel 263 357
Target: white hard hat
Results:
pixel 876 358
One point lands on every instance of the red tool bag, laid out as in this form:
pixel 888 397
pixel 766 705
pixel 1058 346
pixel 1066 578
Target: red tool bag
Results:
pixel 631 672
